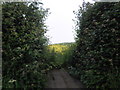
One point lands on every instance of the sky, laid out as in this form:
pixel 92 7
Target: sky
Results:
pixel 59 21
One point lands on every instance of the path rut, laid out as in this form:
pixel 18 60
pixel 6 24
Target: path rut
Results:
pixel 61 79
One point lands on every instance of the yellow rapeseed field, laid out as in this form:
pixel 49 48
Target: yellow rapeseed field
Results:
pixel 58 48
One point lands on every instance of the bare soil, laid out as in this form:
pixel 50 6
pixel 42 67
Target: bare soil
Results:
pixel 59 78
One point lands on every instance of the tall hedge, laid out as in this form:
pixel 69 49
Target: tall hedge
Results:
pixel 23 42
pixel 97 56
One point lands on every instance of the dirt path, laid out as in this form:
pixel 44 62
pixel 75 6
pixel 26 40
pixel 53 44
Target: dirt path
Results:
pixel 61 79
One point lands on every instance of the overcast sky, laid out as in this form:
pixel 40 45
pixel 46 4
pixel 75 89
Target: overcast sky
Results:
pixel 59 22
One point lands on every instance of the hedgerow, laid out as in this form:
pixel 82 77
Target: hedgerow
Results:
pixel 96 58
pixel 24 43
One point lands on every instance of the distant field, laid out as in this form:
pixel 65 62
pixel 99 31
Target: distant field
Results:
pixel 59 47
pixel 60 50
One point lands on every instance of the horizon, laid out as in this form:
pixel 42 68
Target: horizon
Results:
pixel 60 43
